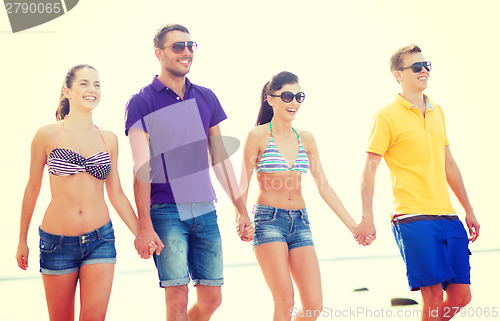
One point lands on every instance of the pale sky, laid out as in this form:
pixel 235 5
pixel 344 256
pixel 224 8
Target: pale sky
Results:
pixel 339 50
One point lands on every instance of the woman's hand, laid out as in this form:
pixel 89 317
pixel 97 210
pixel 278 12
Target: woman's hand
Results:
pixel 152 248
pixel 22 255
pixel 244 228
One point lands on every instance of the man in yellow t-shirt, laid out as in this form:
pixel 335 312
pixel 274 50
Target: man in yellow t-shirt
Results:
pixel 410 135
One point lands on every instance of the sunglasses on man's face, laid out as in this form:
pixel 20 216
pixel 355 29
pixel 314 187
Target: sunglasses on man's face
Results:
pixel 178 47
pixel 287 96
pixel 417 67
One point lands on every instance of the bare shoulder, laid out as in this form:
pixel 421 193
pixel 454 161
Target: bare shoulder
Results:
pixel 47 133
pixel 108 135
pixel 49 129
pixel 259 132
pixel 306 137
pixel 110 138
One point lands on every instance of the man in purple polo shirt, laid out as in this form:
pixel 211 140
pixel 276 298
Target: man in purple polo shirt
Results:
pixel 173 128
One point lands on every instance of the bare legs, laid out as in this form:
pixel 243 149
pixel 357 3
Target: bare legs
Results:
pixel 273 261
pixel 277 264
pixel 457 297
pixel 209 299
pixel 304 267
pixel 60 295
pixel 95 290
pixel 435 308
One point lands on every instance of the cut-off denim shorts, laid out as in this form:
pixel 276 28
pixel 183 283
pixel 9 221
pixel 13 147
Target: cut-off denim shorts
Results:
pixel 61 254
pixel 274 224
pixel 193 247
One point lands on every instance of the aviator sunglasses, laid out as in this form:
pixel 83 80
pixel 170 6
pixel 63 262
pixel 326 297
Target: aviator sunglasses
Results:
pixel 417 67
pixel 287 96
pixel 179 47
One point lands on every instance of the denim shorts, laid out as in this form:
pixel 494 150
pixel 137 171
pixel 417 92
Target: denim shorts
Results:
pixel 193 247
pixel 61 254
pixel 435 249
pixel 274 224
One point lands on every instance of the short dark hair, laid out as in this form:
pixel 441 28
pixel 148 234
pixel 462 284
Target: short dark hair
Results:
pixel 396 61
pixel 159 38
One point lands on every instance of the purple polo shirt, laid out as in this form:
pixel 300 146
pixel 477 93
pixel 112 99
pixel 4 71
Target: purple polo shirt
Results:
pixel 178 139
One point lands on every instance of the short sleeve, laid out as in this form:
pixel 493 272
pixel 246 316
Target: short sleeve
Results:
pixel 446 141
pixel 380 136
pixel 218 113
pixel 135 111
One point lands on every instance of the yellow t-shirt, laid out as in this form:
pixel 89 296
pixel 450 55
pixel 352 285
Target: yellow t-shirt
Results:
pixel 413 147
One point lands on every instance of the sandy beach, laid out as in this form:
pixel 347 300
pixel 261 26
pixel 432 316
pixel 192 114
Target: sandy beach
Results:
pixel 136 295
pixel 346 79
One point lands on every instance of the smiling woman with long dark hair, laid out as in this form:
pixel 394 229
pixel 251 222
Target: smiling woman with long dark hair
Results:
pixel 280 155
pixel 77 242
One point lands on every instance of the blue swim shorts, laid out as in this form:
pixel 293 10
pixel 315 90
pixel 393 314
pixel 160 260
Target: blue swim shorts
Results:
pixel 193 247
pixel 435 249
pixel 61 254
pixel 274 224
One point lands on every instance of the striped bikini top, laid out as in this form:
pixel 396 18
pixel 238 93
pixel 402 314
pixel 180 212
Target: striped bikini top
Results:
pixel 65 162
pixel 271 160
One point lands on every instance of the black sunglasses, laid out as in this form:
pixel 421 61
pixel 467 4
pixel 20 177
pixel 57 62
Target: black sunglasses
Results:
pixel 417 67
pixel 287 96
pixel 179 47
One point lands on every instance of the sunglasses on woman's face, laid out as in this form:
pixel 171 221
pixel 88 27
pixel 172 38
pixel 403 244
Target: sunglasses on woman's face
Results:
pixel 287 96
pixel 417 67
pixel 178 47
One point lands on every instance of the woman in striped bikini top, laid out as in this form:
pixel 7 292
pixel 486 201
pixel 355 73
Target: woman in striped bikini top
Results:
pixel 282 237
pixel 77 211
pixel 271 160
pixel 64 162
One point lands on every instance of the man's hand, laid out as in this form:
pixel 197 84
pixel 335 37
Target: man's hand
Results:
pixel 473 225
pixel 365 234
pixel 244 227
pixel 146 241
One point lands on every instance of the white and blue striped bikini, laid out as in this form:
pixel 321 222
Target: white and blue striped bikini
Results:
pixel 271 160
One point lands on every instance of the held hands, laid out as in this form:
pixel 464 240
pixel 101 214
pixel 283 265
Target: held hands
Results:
pixel 22 255
pixel 152 248
pixel 365 233
pixel 368 240
pixel 147 242
pixel 244 228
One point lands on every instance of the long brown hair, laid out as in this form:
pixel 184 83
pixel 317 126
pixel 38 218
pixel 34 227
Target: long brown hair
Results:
pixel 63 108
pixel 266 111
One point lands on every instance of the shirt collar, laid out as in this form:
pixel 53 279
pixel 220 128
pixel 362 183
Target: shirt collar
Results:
pixel 159 86
pixel 405 103
pixel 428 103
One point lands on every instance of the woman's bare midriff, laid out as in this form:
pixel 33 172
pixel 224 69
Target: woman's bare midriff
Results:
pixel 280 189
pixel 77 205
